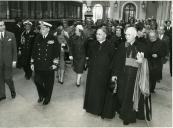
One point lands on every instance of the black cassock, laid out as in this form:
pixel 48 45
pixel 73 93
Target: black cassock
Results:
pixel 126 76
pixel 100 58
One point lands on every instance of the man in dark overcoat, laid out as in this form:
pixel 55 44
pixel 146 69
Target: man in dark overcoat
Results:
pixel 45 55
pixel 165 43
pixel 168 32
pixel 155 62
pixel 8 58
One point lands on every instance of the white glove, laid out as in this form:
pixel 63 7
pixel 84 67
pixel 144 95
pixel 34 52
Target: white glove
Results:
pixel 71 57
pixel 54 67
pixel 19 52
pixel 55 34
pixel 154 55
pixel 140 57
pixel 32 67
pixel 56 61
pixel 114 78
pixel 14 64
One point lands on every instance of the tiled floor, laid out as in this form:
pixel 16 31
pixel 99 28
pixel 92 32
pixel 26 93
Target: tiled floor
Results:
pixel 66 107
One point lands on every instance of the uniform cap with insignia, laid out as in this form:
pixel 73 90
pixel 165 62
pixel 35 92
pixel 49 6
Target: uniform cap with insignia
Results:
pixel 27 22
pixel 118 27
pixel 43 23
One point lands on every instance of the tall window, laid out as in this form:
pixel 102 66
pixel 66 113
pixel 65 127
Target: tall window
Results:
pixel 84 9
pixel 15 9
pixel 97 12
pixel 3 9
pixel 109 12
pixel 129 11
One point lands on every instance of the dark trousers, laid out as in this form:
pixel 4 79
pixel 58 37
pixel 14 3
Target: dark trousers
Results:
pixel 44 81
pixel 170 64
pixel 19 62
pixel 6 77
pixel 161 71
pixel 152 83
pixel 27 70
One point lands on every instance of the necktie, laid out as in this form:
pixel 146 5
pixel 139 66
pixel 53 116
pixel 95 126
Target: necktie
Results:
pixel 161 36
pixel 2 35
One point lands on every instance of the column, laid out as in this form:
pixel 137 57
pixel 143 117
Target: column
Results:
pixel 8 11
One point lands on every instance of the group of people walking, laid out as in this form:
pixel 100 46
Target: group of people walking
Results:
pixel 131 56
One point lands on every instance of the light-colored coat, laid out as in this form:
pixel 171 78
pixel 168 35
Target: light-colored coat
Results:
pixel 8 50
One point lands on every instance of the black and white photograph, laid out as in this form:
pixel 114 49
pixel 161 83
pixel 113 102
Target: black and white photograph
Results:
pixel 85 63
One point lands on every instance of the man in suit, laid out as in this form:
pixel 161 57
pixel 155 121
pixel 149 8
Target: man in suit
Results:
pixel 8 58
pixel 45 56
pixel 168 32
pixel 165 43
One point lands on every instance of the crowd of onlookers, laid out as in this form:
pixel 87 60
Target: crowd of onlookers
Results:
pixel 109 49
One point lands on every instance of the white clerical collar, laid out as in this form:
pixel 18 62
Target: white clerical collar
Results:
pixel 44 36
pixel 101 41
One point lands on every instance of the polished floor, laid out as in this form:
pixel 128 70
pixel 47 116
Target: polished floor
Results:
pixel 66 106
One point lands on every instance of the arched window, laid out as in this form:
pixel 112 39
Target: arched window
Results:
pixel 97 12
pixel 109 12
pixel 129 10
pixel 84 9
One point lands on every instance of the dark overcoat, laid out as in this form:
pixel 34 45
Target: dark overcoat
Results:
pixel 155 64
pixel 27 45
pixel 77 50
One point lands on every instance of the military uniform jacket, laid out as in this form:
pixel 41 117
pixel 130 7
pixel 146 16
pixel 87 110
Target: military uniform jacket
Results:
pixel 27 40
pixel 17 32
pixel 45 50
pixel 8 50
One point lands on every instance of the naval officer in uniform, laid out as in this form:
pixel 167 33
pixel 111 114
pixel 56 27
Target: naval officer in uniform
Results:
pixel 27 41
pixel 45 56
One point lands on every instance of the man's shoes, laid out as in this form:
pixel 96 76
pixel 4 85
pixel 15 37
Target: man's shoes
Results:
pixel 60 82
pixel 40 99
pixel 125 122
pixel 2 98
pixel 46 102
pixel 78 85
pixel 13 94
pixel 27 77
pixel 152 91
